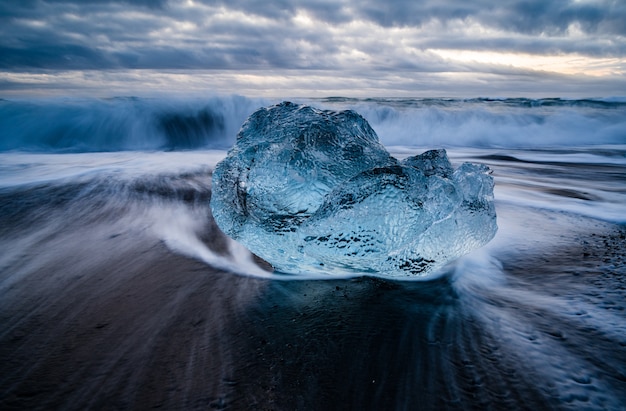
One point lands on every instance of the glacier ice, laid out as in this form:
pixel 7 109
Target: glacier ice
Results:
pixel 313 191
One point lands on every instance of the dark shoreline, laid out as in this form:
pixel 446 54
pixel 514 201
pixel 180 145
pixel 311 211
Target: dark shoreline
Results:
pixel 95 321
pixel 97 311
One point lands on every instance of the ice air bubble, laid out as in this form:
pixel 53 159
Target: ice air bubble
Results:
pixel 313 191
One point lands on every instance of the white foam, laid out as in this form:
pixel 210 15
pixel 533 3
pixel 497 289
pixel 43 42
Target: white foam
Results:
pixel 161 124
pixel 32 168
pixel 179 227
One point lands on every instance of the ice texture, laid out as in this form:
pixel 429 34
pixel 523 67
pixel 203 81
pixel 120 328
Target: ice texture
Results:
pixel 313 191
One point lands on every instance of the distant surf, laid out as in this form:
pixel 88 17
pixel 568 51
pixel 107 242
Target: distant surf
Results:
pixel 133 123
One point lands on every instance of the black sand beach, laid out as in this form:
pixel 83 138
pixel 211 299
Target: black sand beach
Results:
pixel 96 312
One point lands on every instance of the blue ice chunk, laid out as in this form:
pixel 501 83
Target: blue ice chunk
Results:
pixel 313 190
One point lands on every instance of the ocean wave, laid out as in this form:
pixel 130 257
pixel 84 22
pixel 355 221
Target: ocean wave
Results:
pixel 488 122
pixel 131 123
pixel 119 124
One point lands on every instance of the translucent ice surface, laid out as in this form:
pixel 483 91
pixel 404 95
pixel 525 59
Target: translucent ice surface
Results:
pixel 313 191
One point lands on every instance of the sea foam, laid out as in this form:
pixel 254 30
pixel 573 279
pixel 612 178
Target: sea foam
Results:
pixel 131 123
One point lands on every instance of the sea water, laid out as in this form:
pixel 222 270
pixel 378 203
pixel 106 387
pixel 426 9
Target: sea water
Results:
pixel 534 317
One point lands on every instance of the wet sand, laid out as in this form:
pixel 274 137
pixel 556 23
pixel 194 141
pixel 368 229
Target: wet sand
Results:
pixel 97 312
pixel 107 318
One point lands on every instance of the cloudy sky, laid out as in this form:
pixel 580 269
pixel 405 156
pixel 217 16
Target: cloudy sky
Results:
pixel 571 48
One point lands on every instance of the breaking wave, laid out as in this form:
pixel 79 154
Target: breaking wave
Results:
pixel 483 122
pixel 132 123
pixel 119 124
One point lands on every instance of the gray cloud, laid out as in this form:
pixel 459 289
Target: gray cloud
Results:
pixel 145 34
pixel 368 38
pixel 536 17
pixel 313 83
pixel 526 16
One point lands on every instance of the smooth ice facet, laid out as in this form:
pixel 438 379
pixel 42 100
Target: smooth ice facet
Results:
pixel 314 191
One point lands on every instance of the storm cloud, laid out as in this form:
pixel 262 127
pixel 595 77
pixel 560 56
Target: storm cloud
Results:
pixel 342 37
